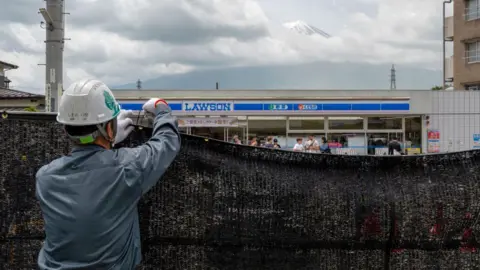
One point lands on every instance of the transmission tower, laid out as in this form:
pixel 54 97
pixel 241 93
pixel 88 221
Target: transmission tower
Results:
pixel 139 84
pixel 393 79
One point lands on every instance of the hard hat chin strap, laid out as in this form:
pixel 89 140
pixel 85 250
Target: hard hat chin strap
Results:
pixel 101 130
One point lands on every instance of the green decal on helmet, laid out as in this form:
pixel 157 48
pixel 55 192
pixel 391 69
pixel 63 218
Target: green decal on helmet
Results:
pixel 110 103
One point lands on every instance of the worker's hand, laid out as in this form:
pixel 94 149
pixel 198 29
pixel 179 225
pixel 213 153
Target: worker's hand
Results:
pixel 124 114
pixel 124 126
pixel 151 105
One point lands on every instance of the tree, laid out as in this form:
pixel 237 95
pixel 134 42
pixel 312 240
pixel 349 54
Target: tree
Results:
pixel 30 109
pixel 437 87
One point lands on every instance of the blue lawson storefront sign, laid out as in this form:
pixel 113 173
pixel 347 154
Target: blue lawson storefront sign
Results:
pixel 226 106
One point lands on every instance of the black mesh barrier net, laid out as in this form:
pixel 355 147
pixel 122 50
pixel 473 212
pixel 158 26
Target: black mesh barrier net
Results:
pixel 224 206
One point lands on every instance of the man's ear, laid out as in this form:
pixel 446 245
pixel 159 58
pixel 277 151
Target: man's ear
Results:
pixel 110 130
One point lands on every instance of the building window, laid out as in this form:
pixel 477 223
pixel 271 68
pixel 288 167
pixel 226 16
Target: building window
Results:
pixel 472 10
pixel 262 127
pixel 347 143
pixel 306 123
pixel 473 87
pixel 292 138
pixel 384 123
pixel 473 52
pixel 345 123
pixel 413 135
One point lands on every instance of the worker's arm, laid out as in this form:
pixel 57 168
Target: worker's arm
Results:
pixel 151 160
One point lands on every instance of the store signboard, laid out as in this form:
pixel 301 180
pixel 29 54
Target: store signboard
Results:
pixel 433 141
pixel 202 106
pixel 476 141
pixel 277 107
pixel 208 122
pixel 211 106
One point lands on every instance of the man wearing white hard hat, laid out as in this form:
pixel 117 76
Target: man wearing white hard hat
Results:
pixel 89 198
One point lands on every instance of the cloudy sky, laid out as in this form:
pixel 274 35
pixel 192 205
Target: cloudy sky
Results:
pixel 120 41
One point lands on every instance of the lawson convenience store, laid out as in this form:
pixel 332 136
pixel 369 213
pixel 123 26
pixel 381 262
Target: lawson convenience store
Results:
pixel 363 122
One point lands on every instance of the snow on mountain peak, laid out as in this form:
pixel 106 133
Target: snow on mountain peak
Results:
pixel 304 28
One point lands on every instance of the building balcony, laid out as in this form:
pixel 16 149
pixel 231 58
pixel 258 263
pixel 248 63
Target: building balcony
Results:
pixel 449 28
pixel 449 69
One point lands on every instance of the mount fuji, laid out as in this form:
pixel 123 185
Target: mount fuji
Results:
pixel 304 28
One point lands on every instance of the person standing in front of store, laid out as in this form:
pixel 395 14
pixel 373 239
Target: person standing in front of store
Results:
pixel 275 144
pixel 298 147
pixel 325 148
pixel 269 142
pixel 236 140
pixel 394 147
pixel 312 144
pixel 254 142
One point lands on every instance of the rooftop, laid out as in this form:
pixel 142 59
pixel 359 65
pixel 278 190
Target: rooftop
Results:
pixel 8 65
pixel 16 94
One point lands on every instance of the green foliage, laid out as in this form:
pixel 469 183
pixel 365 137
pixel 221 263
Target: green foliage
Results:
pixel 30 109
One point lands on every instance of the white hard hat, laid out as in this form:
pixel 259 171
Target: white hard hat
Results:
pixel 87 102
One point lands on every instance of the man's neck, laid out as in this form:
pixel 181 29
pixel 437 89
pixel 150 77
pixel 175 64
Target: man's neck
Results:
pixel 100 141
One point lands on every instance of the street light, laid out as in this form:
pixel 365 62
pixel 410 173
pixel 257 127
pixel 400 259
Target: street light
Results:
pixel 48 19
pixel 443 41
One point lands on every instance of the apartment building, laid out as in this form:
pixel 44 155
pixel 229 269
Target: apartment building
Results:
pixel 463 29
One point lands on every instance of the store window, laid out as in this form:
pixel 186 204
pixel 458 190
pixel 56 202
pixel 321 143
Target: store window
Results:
pixel 263 126
pixel 292 138
pixel 377 143
pixel 384 123
pixel 217 133
pixel 345 123
pixel 240 130
pixel 347 143
pixel 413 134
pixel 306 123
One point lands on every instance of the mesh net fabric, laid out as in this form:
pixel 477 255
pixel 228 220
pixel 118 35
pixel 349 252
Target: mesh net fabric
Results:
pixel 225 206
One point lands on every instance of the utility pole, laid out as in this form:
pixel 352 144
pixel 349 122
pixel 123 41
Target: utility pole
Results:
pixel 53 15
pixel 393 79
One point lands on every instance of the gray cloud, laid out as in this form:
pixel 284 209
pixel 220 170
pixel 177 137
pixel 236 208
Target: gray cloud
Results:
pixel 122 40
pixel 22 11
pixel 174 22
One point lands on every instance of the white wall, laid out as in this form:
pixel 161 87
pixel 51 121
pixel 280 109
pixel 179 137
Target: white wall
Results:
pixel 456 114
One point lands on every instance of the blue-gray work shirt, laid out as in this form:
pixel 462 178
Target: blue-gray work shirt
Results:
pixel 89 200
